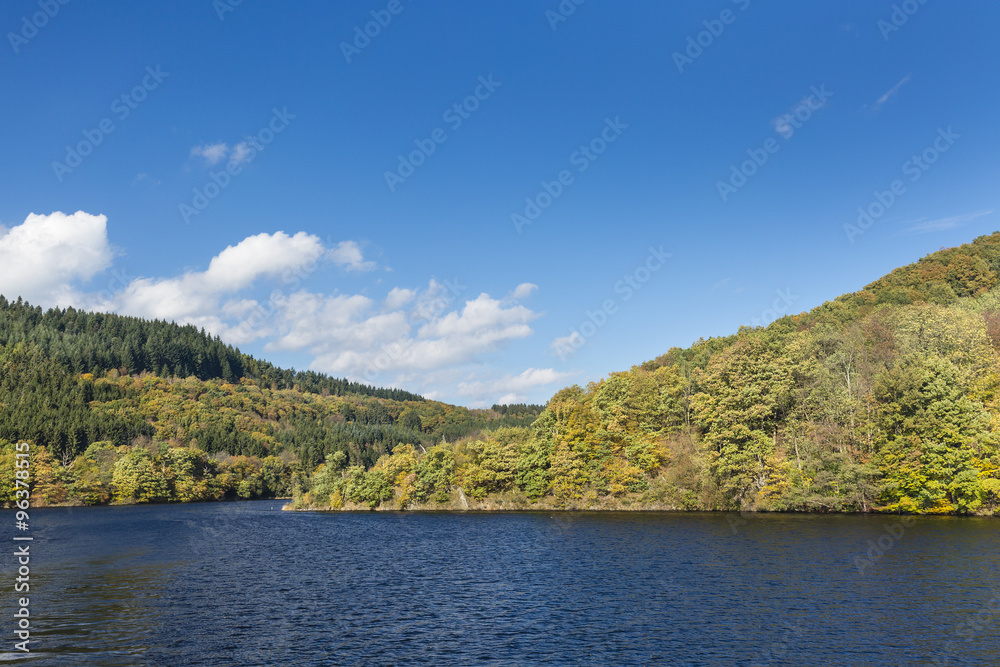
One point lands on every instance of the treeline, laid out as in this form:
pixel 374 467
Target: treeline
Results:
pixel 145 473
pixel 95 343
pixel 883 400
pixel 518 409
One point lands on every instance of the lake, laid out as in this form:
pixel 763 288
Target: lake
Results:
pixel 247 584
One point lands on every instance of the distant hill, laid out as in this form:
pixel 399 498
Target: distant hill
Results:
pixel 95 343
pixel 96 389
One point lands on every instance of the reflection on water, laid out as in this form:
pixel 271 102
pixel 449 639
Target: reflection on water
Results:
pixel 247 584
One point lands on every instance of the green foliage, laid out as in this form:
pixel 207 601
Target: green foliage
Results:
pixel 435 475
pixel 137 479
pixel 492 465
pixel 370 487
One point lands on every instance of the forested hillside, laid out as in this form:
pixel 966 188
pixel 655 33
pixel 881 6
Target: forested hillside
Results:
pixel 885 399
pixel 85 342
pixel 125 410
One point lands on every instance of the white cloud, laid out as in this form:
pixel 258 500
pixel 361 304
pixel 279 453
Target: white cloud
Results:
pixel 195 296
pixel 364 345
pixel 348 255
pixel 891 92
pixel 566 345
pixel 484 318
pixel 523 291
pixel 262 255
pixel 211 153
pixel 241 153
pixel 399 297
pixel 41 257
pixel 943 224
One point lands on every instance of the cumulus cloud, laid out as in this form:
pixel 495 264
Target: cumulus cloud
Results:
pixel 378 344
pixel 262 255
pixel 41 258
pixel 348 255
pixel 195 296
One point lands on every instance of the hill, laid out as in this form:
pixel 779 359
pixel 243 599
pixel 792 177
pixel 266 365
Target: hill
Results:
pixel 882 400
pixel 886 399
pixel 122 409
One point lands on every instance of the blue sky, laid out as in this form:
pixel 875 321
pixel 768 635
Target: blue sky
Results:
pixel 238 166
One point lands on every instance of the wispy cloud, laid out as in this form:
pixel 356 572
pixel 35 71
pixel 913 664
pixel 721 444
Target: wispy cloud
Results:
pixel 512 388
pixel 241 153
pixel 211 153
pixel 785 124
pixel 139 178
pixel 891 92
pixel 348 255
pixel 924 226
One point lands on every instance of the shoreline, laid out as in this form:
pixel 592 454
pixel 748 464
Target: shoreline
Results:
pixel 486 506
pixel 450 509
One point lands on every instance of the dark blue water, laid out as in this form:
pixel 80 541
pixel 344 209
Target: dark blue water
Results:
pixel 247 584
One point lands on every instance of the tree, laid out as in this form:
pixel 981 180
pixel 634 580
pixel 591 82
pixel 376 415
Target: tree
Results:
pixel 747 388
